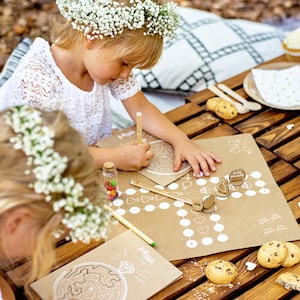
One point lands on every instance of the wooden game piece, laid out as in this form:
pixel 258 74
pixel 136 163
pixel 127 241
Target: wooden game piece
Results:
pixel 206 204
pixel 208 201
pixel 237 176
pixel 210 210
pixel 222 188
pixel 197 204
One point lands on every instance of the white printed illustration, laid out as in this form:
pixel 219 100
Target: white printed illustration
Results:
pixel 91 280
pixel 163 160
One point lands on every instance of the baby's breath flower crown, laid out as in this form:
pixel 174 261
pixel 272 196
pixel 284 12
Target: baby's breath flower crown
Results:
pixel 84 220
pixel 101 18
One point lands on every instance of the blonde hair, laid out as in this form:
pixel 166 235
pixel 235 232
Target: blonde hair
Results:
pixel 144 50
pixel 15 192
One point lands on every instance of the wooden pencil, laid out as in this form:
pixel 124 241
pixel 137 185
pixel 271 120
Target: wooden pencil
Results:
pixel 160 192
pixel 130 226
pixel 139 127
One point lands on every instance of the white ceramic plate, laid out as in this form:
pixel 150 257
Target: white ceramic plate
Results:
pixel 251 89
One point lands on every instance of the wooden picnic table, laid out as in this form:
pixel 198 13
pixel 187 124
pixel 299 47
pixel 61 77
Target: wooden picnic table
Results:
pixel 281 150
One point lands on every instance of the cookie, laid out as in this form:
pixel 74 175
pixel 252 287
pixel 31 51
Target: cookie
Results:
pixel 212 102
pixel 221 271
pixel 293 255
pixel 289 281
pixel 272 254
pixel 225 110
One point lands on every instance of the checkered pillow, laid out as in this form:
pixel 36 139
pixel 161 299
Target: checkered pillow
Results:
pixel 209 49
pixel 14 59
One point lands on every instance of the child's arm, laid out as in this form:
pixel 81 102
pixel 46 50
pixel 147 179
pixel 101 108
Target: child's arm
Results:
pixel 129 157
pixel 159 125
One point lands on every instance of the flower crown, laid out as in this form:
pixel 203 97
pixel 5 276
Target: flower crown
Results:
pixel 100 18
pixel 84 220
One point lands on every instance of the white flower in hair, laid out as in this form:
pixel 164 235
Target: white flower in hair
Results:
pixel 101 18
pixel 84 220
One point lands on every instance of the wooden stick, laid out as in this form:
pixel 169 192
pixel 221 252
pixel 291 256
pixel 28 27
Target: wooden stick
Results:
pixel 130 226
pixel 160 192
pixel 139 128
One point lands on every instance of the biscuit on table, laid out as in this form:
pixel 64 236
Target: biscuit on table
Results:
pixel 222 108
pixel 272 254
pixel 293 255
pixel 221 271
pixel 226 110
pixel 212 102
pixel 289 281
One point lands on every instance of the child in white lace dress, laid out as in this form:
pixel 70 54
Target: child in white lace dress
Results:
pixel 93 55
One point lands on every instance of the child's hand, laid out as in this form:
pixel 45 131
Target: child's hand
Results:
pixel 133 157
pixel 200 159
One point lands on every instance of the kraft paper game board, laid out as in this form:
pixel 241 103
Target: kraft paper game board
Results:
pixel 253 213
pixel 123 268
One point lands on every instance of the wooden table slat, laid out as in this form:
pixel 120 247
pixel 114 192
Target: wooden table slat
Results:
pixel 280 134
pixel 289 151
pixel 199 124
pixel 291 189
pixel 294 206
pixel 220 130
pixel 282 171
pixel 263 121
pixel 184 112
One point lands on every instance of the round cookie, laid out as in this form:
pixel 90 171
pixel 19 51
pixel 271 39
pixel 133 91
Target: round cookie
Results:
pixel 289 281
pixel 272 254
pixel 221 271
pixel 212 102
pixel 225 109
pixel 293 255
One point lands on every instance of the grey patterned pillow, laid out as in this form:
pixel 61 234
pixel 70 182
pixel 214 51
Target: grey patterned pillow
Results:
pixel 209 49
pixel 14 59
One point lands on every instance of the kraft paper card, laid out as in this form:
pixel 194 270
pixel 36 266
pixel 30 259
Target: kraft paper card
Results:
pixel 122 268
pixel 161 165
pixel 253 212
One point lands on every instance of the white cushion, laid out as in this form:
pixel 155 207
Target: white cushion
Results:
pixel 209 49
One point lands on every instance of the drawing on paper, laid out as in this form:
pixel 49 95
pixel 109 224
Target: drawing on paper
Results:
pixel 91 280
pixel 163 160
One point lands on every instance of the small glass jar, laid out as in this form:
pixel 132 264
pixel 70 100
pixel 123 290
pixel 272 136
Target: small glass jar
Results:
pixel 110 180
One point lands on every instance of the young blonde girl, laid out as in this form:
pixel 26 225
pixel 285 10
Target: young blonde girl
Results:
pixel 93 55
pixel 34 205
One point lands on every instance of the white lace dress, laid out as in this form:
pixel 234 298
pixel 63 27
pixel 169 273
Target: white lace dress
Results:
pixel 39 82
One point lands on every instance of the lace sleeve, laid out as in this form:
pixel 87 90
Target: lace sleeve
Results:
pixel 123 89
pixel 34 80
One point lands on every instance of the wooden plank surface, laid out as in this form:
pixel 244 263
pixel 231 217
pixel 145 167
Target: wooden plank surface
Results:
pixel 280 148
